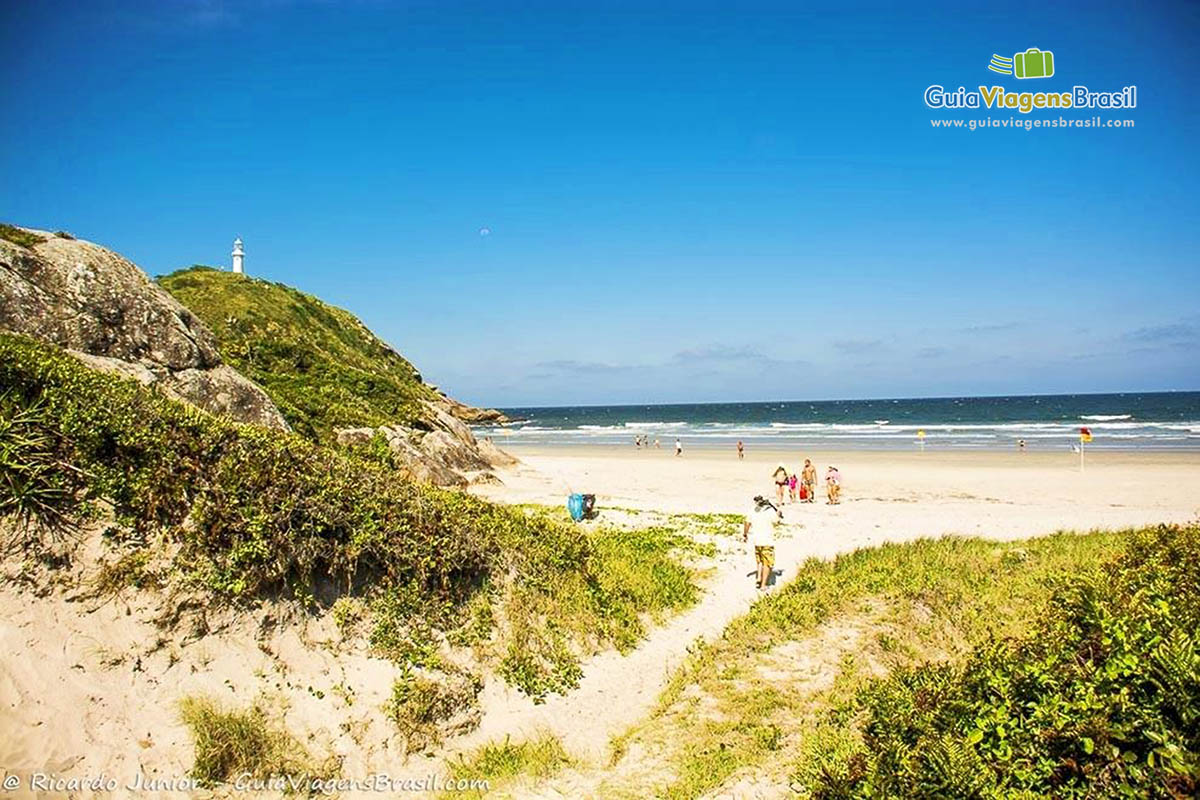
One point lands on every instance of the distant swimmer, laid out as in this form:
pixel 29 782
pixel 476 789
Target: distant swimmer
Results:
pixel 1021 445
pixel 741 450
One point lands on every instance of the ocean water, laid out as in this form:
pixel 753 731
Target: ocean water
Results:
pixel 1154 421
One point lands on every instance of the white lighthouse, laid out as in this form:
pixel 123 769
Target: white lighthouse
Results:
pixel 238 255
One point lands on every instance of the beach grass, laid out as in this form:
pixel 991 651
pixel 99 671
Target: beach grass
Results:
pixel 780 691
pixel 229 743
pixel 501 764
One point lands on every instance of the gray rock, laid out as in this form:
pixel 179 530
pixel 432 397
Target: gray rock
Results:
pixel 439 449
pixel 92 301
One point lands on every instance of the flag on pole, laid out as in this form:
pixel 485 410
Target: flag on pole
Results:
pixel 1085 435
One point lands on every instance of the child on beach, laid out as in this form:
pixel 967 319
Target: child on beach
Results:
pixel 833 486
pixel 792 480
pixel 809 477
pixel 759 528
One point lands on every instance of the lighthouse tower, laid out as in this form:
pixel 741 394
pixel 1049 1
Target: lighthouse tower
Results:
pixel 238 256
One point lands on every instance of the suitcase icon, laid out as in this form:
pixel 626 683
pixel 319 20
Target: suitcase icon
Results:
pixel 1034 63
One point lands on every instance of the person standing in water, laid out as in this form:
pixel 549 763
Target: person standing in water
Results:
pixel 808 477
pixel 759 529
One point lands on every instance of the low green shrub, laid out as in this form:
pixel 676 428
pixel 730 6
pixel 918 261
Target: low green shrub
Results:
pixel 424 708
pixel 229 744
pixel 539 758
pixel 17 236
pixel 39 490
pixel 1101 699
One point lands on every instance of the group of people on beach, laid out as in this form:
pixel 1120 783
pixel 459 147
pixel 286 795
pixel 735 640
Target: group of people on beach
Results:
pixel 763 517
pixel 802 488
pixel 642 441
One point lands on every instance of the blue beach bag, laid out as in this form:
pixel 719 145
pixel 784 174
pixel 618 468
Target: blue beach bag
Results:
pixel 575 507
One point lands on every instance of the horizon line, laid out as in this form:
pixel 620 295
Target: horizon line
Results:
pixel 856 399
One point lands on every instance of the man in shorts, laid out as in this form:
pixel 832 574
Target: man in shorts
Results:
pixel 809 478
pixel 759 529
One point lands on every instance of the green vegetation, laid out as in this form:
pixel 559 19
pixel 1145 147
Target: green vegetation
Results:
pixel 420 705
pixel 1064 666
pixel 128 570
pixel 323 368
pixel 778 687
pixel 233 743
pixel 538 758
pixel 251 513
pixel 38 489
pixel 1100 699
pixel 20 237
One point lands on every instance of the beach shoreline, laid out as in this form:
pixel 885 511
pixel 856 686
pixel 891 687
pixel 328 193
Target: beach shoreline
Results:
pixel 996 493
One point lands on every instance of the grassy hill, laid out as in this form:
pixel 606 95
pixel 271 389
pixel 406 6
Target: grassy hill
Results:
pixel 323 368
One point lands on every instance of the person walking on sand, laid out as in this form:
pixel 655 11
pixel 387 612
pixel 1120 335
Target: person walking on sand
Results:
pixel 792 488
pixel 808 477
pixel 780 476
pixel 678 448
pixel 759 529
pixel 833 486
pixel 741 450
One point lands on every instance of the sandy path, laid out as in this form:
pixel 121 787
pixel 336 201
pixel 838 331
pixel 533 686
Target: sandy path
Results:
pixel 889 497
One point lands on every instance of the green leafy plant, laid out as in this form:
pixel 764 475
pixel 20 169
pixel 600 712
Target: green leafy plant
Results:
pixel 1102 699
pixel 39 490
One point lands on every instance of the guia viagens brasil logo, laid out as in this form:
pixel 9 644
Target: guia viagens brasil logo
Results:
pixel 1027 65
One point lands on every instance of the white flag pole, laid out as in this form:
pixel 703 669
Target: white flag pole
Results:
pixel 1081 454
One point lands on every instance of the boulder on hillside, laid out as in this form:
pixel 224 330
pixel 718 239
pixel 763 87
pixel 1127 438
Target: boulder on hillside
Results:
pixel 469 414
pixel 92 301
pixel 440 449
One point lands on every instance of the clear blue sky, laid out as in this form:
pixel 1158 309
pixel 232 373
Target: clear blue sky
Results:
pixel 686 202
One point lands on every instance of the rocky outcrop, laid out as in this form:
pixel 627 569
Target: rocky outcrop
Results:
pixel 105 309
pixel 439 448
pixel 469 414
